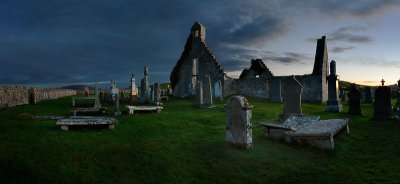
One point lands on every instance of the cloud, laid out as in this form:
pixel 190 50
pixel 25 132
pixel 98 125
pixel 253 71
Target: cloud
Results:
pixel 79 41
pixel 342 34
pixel 340 49
pixel 238 57
pixel 345 8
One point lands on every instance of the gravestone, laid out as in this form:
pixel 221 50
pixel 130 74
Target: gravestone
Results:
pixel 292 98
pixel 343 95
pixel 157 92
pixel 145 88
pixel 96 93
pixel 114 90
pixel 354 100
pixel 151 94
pixel 117 112
pixel 218 90
pixel 368 96
pixel 333 104
pixel 207 94
pixel 382 104
pixel 199 94
pixel 276 95
pixel 238 121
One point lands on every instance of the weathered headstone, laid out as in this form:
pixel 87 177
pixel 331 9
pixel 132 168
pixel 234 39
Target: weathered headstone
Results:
pixel 343 95
pixel 114 90
pixel 292 99
pixel 157 92
pixel 354 100
pixel 238 121
pixel 333 103
pixel 207 94
pixel 117 112
pixel 199 94
pixel 96 93
pixel 368 96
pixel 152 93
pixel 145 88
pixel 276 95
pixel 382 104
pixel 218 91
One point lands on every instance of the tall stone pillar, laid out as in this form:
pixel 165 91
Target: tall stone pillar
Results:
pixel 333 104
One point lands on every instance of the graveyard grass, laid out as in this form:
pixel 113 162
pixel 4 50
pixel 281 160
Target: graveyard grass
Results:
pixel 184 144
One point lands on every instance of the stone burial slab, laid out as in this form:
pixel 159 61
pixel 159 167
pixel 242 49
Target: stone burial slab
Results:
pixel 316 133
pixel 292 99
pixel 89 109
pixel 49 117
pixel 74 99
pixel 131 109
pixel 87 121
pixel 238 121
pixel 382 104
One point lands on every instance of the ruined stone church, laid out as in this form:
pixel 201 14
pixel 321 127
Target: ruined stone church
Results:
pixel 197 60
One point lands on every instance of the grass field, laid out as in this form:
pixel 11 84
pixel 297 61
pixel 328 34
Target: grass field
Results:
pixel 184 144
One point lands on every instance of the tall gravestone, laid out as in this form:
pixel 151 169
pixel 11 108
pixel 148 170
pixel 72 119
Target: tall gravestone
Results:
pixel 117 112
pixel 238 121
pixel 114 90
pixel 292 98
pixel 96 93
pixel 199 94
pixel 343 95
pixel 157 92
pixel 367 96
pixel 276 95
pixel 354 100
pixel 207 94
pixel 333 104
pixel 145 88
pixel 382 104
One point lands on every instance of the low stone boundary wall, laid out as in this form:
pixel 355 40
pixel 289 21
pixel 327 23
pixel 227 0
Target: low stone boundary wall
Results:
pixel 39 94
pixel 12 96
pixel 18 95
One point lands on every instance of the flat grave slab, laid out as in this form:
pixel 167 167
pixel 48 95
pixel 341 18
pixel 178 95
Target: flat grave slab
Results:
pixel 87 109
pixel 49 117
pixel 308 129
pixel 82 98
pixel 131 109
pixel 86 121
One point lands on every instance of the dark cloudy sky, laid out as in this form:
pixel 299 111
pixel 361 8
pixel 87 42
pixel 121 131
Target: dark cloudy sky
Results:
pixel 62 42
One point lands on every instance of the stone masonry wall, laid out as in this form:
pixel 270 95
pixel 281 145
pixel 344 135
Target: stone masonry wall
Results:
pixel 12 96
pixel 18 95
pixel 50 94
pixel 313 88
